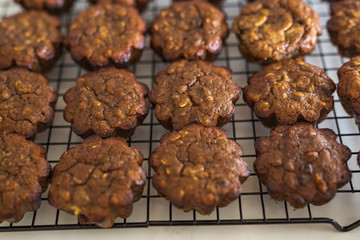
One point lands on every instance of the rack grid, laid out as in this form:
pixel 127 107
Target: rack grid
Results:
pixel 254 206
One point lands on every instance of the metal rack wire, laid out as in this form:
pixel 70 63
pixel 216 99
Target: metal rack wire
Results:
pixel 254 206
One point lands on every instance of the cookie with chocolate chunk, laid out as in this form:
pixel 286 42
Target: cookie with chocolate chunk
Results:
pixel 24 176
pixel 26 102
pixel 302 164
pixel 272 30
pixel 189 30
pixel 30 39
pixel 98 181
pixel 198 168
pixel 194 92
pixel 344 27
pixel 289 91
pixel 106 35
pixel 109 102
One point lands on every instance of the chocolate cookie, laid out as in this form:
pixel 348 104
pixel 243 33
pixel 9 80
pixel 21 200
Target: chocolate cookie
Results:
pixel 106 34
pixel 344 27
pixel 302 164
pixel 190 30
pixel 194 92
pixel 109 102
pixel 139 4
pixel 215 2
pixel 272 30
pixel 51 6
pixel 30 39
pixel 98 181
pixel 26 102
pixel 198 168
pixel 289 91
pixel 24 175
pixel 349 87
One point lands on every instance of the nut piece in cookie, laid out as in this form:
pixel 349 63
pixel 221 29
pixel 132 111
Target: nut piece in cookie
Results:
pixel 30 39
pixel 289 91
pixel 189 30
pixel 138 4
pixel 26 102
pixel 109 102
pixel 106 35
pixel 349 87
pixel 51 6
pixel 24 176
pixel 194 92
pixel 272 30
pixel 344 27
pixel 198 168
pixel 98 181
pixel 302 164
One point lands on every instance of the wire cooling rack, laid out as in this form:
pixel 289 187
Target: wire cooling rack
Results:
pixel 254 206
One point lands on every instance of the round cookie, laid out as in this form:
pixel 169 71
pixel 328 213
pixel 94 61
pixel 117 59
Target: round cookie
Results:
pixel 272 30
pixel 24 175
pixel 98 181
pixel 30 39
pixel 189 30
pixel 302 164
pixel 349 87
pixel 51 6
pixel 109 102
pixel 344 27
pixel 289 91
pixel 198 168
pixel 106 34
pixel 139 4
pixel 26 102
pixel 194 92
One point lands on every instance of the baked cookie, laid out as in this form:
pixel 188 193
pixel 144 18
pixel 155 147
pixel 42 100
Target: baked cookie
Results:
pixel 190 30
pixel 344 27
pixel 194 92
pixel 272 30
pixel 51 6
pixel 106 34
pixel 24 176
pixel 289 91
pixel 349 87
pixel 109 102
pixel 198 168
pixel 30 39
pixel 26 102
pixel 139 4
pixel 302 164
pixel 215 2
pixel 98 181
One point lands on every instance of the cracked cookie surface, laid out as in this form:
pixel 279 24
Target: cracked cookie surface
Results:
pixel 272 30
pixel 98 181
pixel 109 102
pixel 26 102
pixel 24 175
pixel 344 27
pixel 106 34
pixel 349 87
pixel 198 168
pixel 290 91
pixel 138 4
pixel 194 92
pixel 189 30
pixel 51 6
pixel 30 39
pixel 302 164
